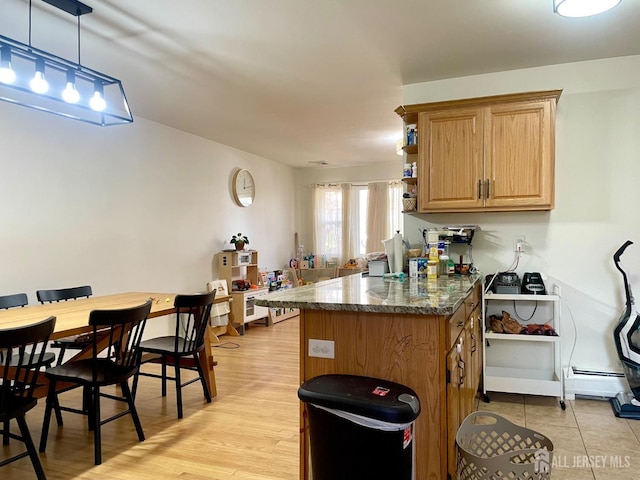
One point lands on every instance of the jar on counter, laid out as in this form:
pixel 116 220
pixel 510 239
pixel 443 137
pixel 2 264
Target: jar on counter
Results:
pixel 406 171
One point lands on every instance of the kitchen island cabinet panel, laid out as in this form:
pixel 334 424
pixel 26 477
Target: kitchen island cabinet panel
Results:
pixel 406 349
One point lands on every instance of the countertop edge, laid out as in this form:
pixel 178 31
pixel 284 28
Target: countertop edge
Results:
pixel 403 307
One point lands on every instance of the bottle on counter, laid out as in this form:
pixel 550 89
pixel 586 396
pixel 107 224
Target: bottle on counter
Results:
pixel 443 266
pixel 406 171
pixel 432 269
pixel 451 266
pixel 414 170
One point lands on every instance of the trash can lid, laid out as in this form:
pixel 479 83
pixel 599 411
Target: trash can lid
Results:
pixel 366 396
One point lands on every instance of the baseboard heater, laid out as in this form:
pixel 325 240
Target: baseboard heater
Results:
pixel 595 373
pixel 593 383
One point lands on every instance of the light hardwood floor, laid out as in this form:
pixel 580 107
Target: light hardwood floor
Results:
pixel 248 432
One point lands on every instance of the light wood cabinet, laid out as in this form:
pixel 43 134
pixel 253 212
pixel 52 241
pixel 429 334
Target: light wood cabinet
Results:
pixel 486 154
pixel 464 371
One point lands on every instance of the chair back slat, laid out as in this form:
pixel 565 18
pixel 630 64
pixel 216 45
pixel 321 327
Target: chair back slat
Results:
pixel 117 335
pixel 192 320
pixel 19 378
pixel 11 301
pixel 56 295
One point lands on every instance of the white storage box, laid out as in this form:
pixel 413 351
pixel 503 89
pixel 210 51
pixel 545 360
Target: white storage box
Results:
pixel 378 268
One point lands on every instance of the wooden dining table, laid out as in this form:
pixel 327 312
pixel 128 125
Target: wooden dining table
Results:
pixel 72 318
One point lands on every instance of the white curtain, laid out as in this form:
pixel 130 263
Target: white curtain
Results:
pixel 327 231
pixel 337 219
pixel 349 224
pixel 377 216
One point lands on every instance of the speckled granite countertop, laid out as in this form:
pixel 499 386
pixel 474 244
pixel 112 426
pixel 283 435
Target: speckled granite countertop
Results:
pixel 356 293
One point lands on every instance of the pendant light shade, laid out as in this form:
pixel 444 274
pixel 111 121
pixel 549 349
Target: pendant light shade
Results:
pixel 70 93
pixel 38 83
pixel 582 8
pixel 42 81
pixel 7 75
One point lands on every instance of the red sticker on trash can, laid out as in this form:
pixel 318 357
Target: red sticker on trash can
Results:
pixel 380 391
pixel 407 436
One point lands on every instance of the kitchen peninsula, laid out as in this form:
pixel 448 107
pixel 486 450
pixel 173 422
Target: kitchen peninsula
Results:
pixel 423 334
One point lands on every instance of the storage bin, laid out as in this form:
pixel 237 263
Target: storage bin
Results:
pixel 491 447
pixel 409 204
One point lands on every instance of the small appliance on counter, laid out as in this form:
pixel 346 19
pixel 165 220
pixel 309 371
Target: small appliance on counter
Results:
pixel 532 284
pixel 507 283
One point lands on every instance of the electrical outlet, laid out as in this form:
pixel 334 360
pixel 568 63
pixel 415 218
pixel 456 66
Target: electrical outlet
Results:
pixel 519 243
pixel 321 348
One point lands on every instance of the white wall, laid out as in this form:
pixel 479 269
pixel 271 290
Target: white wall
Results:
pixel 134 207
pixel 597 199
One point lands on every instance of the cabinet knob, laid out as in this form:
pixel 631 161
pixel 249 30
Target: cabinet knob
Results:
pixel 486 192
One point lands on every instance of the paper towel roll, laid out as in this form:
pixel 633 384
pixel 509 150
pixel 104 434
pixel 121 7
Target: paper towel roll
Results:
pixel 394 248
pixel 398 253
pixel 389 250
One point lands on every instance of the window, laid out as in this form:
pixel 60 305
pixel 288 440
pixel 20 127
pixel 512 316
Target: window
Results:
pixel 345 218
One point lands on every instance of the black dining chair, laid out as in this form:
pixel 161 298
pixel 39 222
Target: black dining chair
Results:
pixel 15 300
pixel 21 300
pixel 192 320
pixel 115 358
pixel 74 342
pixel 24 347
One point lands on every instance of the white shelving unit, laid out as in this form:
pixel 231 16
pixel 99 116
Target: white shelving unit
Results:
pixel 527 364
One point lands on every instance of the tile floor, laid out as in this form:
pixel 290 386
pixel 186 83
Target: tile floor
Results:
pixel 589 441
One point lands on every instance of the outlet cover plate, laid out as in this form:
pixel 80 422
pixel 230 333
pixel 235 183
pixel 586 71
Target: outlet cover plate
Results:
pixel 321 348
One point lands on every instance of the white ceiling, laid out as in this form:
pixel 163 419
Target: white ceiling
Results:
pixel 301 81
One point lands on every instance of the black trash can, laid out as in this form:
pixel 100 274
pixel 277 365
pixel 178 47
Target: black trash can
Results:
pixel 360 427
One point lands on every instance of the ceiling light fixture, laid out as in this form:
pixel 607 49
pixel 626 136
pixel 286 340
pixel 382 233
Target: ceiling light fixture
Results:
pixel 582 8
pixel 68 89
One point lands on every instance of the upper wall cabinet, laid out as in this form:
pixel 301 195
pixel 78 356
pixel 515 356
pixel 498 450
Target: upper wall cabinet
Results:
pixel 485 154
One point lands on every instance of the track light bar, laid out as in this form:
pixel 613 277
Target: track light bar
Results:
pixel 70 6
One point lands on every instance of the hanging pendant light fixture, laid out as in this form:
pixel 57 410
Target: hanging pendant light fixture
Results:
pixel 40 80
pixel 582 8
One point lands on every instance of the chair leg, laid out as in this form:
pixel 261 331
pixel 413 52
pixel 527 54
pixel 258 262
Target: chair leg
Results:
pixel 134 386
pixel 94 417
pixel 31 448
pixel 178 387
pixel 5 432
pixel 205 389
pixel 132 408
pixel 63 348
pixel 58 412
pixel 51 400
pixel 164 376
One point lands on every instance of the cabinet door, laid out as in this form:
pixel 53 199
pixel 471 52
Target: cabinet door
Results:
pixel 450 164
pixel 519 151
pixel 454 403
pixel 476 348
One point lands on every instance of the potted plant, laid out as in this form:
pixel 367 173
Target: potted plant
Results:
pixel 239 240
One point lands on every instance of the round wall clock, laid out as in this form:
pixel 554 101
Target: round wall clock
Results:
pixel 244 189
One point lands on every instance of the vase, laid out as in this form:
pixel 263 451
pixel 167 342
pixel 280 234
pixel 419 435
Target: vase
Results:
pixel 239 246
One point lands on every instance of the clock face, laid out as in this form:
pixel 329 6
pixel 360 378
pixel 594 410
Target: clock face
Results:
pixel 244 189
